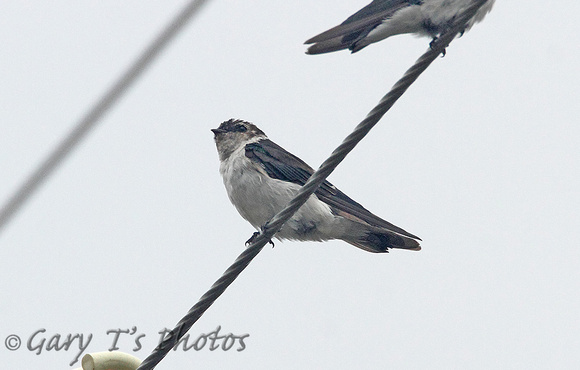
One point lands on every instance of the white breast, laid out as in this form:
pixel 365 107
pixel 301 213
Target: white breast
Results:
pixel 257 197
pixel 438 13
pixel 441 12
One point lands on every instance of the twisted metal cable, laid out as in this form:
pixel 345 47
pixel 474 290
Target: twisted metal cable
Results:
pixel 363 128
pixel 317 178
pixel 92 117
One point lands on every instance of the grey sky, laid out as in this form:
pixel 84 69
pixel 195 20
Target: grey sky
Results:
pixel 479 158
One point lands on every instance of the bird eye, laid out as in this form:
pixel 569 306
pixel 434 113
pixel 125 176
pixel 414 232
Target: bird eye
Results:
pixel 240 128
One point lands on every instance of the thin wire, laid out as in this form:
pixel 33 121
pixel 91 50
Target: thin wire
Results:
pixel 275 224
pixel 96 112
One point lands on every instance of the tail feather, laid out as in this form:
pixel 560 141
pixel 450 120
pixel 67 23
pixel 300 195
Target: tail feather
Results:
pixel 381 242
pixel 327 46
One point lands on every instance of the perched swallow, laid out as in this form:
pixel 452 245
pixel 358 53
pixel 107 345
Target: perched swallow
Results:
pixel 261 178
pixel 384 18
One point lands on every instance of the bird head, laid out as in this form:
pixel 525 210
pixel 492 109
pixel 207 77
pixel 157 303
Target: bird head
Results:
pixel 233 134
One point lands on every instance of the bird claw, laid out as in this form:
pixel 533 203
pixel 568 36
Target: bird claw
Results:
pixel 251 240
pixel 432 46
pixel 254 236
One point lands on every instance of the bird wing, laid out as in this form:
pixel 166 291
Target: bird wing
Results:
pixel 281 165
pixel 356 27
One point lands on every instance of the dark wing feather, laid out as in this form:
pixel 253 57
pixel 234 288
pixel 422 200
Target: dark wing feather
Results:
pixel 281 165
pixel 356 27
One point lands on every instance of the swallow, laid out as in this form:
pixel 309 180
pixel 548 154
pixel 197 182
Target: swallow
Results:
pixel 261 178
pixel 384 18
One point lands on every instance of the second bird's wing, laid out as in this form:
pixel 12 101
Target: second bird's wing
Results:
pixel 355 27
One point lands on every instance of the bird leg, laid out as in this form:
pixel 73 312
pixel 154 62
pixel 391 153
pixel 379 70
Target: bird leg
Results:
pixel 433 43
pixel 254 236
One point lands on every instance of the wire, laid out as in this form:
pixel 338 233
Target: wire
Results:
pixel 275 224
pixel 96 112
pixel 363 128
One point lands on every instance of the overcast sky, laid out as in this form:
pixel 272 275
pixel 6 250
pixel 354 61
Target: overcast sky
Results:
pixel 479 158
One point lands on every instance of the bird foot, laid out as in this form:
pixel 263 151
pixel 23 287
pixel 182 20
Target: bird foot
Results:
pixel 432 45
pixel 254 236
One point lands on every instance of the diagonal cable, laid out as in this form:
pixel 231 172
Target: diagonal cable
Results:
pixel 275 224
pixel 96 112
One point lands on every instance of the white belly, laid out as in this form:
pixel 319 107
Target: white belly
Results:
pixel 257 197
pixel 438 13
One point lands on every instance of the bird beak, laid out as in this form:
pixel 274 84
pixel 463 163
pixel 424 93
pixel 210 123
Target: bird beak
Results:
pixel 217 131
